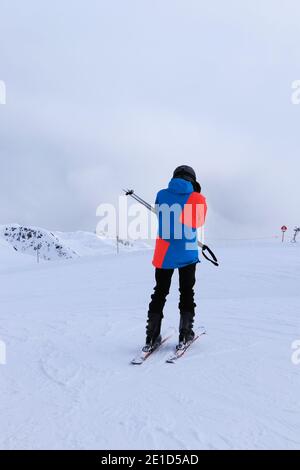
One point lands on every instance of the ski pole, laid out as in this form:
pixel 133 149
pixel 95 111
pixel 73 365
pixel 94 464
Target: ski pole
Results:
pixel 204 248
pixel 130 192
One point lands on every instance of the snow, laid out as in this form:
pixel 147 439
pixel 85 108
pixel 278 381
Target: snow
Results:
pixel 29 240
pixel 62 245
pixel 72 327
pixel 91 244
pixel 9 258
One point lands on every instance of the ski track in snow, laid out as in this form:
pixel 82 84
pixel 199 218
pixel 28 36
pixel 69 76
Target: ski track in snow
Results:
pixel 72 328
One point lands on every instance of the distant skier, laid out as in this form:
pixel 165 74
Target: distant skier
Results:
pixel 181 209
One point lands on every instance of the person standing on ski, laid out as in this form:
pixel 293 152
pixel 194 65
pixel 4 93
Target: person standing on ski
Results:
pixel 181 209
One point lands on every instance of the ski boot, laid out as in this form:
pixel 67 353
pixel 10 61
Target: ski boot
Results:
pixel 186 333
pixel 153 336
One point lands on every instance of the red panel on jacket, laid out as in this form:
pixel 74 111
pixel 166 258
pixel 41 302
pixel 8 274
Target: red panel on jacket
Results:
pixel 194 212
pixel 161 249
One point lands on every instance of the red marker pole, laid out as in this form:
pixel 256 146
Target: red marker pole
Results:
pixel 283 229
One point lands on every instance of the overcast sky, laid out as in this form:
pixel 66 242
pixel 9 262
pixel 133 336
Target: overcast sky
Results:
pixel 103 94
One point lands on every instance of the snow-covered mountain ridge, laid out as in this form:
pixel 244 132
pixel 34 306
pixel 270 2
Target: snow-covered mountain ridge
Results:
pixel 50 245
pixel 36 241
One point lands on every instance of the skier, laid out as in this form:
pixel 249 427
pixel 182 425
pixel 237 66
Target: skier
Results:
pixel 181 209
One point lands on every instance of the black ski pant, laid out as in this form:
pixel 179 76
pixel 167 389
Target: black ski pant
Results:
pixel 163 277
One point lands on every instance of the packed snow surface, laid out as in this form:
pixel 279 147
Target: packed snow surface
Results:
pixel 72 327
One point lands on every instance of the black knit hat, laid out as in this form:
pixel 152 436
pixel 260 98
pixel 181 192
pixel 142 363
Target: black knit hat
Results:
pixel 185 172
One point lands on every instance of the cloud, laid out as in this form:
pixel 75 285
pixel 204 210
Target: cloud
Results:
pixel 120 93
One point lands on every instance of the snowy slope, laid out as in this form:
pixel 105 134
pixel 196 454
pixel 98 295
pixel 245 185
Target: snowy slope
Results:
pixel 11 259
pixel 62 245
pixel 90 244
pixel 72 328
pixel 30 239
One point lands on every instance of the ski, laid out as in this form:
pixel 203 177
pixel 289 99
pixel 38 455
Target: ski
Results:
pixel 181 349
pixel 142 356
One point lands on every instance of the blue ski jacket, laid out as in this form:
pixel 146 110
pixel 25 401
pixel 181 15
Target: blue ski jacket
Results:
pixel 180 212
